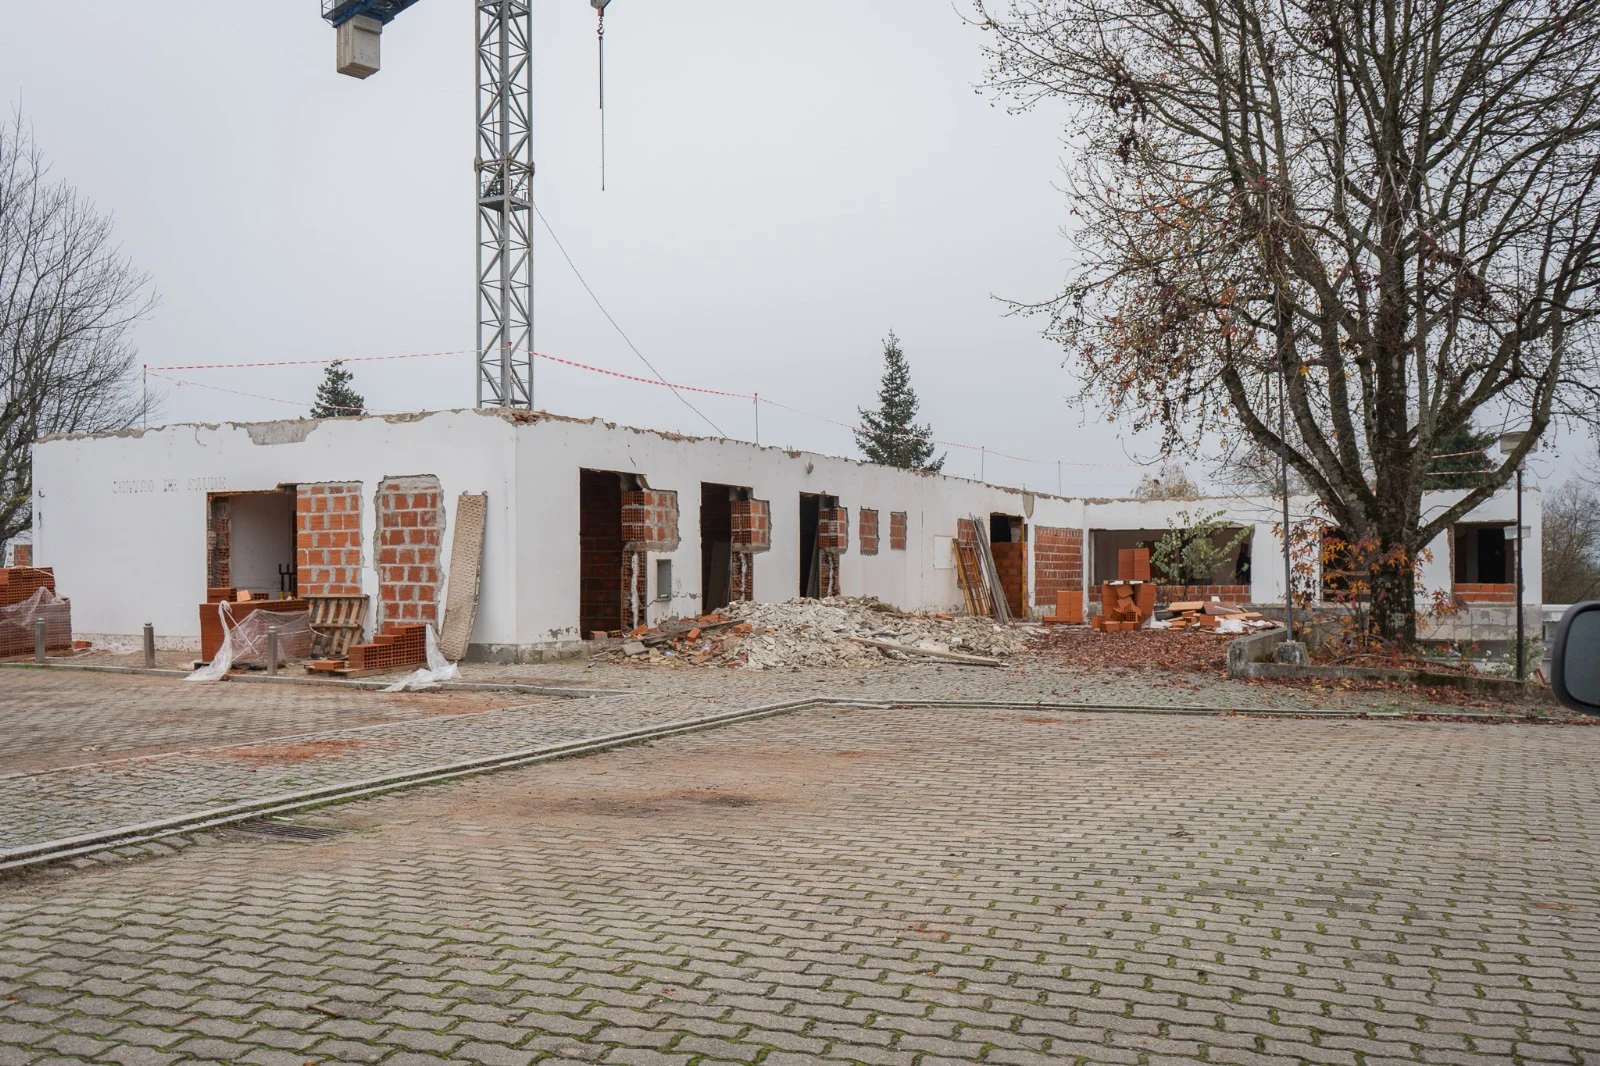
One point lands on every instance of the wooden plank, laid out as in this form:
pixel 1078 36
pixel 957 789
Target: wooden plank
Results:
pixel 942 656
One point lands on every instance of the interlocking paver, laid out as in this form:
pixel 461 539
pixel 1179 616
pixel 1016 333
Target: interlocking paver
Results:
pixel 896 886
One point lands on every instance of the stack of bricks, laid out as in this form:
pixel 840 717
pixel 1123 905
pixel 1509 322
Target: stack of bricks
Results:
pixel 1057 562
pixel 1127 603
pixel 1227 593
pixel 650 520
pixel 1124 606
pixel 398 646
pixel 410 534
pixel 18 583
pixel 1485 592
pixel 897 531
pixel 869 531
pixel 22 555
pixel 327 540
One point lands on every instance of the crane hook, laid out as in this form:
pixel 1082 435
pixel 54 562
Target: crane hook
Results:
pixel 600 41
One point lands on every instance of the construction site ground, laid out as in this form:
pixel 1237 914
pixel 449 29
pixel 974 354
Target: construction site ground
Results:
pixel 872 885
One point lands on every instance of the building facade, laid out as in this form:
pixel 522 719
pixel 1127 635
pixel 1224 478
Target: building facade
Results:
pixel 593 526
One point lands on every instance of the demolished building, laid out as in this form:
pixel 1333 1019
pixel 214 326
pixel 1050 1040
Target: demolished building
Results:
pixel 593 527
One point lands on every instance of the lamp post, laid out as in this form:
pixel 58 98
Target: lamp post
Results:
pixel 1510 441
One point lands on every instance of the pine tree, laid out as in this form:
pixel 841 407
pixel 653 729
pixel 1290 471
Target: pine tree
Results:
pixel 889 435
pixel 335 397
pixel 1458 470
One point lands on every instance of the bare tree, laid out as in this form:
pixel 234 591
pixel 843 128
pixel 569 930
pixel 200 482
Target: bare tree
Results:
pixel 69 299
pixel 1571 543
pixel 1170 482
pixel 1384 209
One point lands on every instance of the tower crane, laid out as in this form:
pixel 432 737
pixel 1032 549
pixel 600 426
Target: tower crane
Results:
pixel 504 168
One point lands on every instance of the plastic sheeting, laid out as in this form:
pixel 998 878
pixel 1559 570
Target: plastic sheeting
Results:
pixel 245 642
pixel 17 622
pixel 438 669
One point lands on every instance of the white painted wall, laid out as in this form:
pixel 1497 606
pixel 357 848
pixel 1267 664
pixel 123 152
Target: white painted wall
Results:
pixel 552 451
pixel 261 538
pixel 122 516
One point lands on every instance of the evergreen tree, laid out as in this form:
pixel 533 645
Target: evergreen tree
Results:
pixel 1462 471
pixel 890 435
pixel 335 397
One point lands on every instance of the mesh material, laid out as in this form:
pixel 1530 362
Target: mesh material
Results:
pixel 17 621
pixel 246 642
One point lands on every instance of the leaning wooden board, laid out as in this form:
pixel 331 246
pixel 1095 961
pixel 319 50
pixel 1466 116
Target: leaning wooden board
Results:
pixel 466 573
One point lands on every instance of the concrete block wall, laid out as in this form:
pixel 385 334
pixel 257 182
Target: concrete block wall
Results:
pixel 328 539
pixel 410 512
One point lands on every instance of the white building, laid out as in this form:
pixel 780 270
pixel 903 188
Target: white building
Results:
pixel 581 534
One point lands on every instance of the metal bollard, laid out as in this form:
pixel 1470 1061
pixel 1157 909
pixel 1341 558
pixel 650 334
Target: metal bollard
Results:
pixel 38 640
pixel 272 651
pixel 149 646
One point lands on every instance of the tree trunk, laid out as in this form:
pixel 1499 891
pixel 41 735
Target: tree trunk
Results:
pixel 1394 594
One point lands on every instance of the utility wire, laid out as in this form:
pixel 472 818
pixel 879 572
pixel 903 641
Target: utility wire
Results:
pixel 579 275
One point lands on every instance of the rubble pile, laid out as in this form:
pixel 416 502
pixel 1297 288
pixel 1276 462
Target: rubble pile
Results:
pixel 832 632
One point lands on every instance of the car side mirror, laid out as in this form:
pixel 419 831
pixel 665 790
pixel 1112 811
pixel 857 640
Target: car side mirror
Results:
pixel 1575 660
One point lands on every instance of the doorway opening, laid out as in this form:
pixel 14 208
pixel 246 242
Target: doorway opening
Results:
pixel 810 556
pixel 250 542
pixel 716 543
pixel 612 583
pixel 1483 555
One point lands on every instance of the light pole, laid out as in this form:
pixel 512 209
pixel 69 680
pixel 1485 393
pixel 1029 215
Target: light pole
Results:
pixel 1510 441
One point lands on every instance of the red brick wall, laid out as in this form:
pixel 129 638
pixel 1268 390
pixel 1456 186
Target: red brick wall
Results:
pixel 869 531
pixel 1057 563
pixel 219 542
pixel 828 578
pixel 22 555
pixel 1485 592
pixel 328 539
pixel 897 531
pixel 1180 593
pixel 833 530
pixel 410 533
pixel 650 520
pixel 1011 563
pixel 742 577
pixel 752 525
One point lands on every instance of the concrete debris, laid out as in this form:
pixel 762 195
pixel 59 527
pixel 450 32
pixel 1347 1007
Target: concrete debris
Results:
pixel 837 631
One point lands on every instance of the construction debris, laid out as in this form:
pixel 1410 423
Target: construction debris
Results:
pixel 836 631
pixel 1215 616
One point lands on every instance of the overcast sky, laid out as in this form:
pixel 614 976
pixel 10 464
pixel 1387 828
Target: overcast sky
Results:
pixel 786 183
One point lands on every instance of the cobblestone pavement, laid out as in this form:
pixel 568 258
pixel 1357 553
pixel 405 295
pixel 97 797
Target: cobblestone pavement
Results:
pixel 874 887
pixel 55 718
pixel 64 779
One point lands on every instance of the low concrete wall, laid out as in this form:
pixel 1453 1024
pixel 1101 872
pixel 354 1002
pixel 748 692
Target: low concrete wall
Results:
pixel 1253 648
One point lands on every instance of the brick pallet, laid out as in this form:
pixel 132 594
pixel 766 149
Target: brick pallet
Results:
pixel 399 647
pixel 211 624
pixel 17 583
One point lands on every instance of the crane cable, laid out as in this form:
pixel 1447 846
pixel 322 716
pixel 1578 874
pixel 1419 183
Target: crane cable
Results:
pixel 600 41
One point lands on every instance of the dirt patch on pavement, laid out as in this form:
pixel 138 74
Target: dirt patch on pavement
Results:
pixel 303 751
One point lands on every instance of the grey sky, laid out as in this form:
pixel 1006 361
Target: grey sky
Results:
pixel 786 183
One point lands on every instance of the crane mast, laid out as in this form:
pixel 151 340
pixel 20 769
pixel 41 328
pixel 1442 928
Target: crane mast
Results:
pixel 503 112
